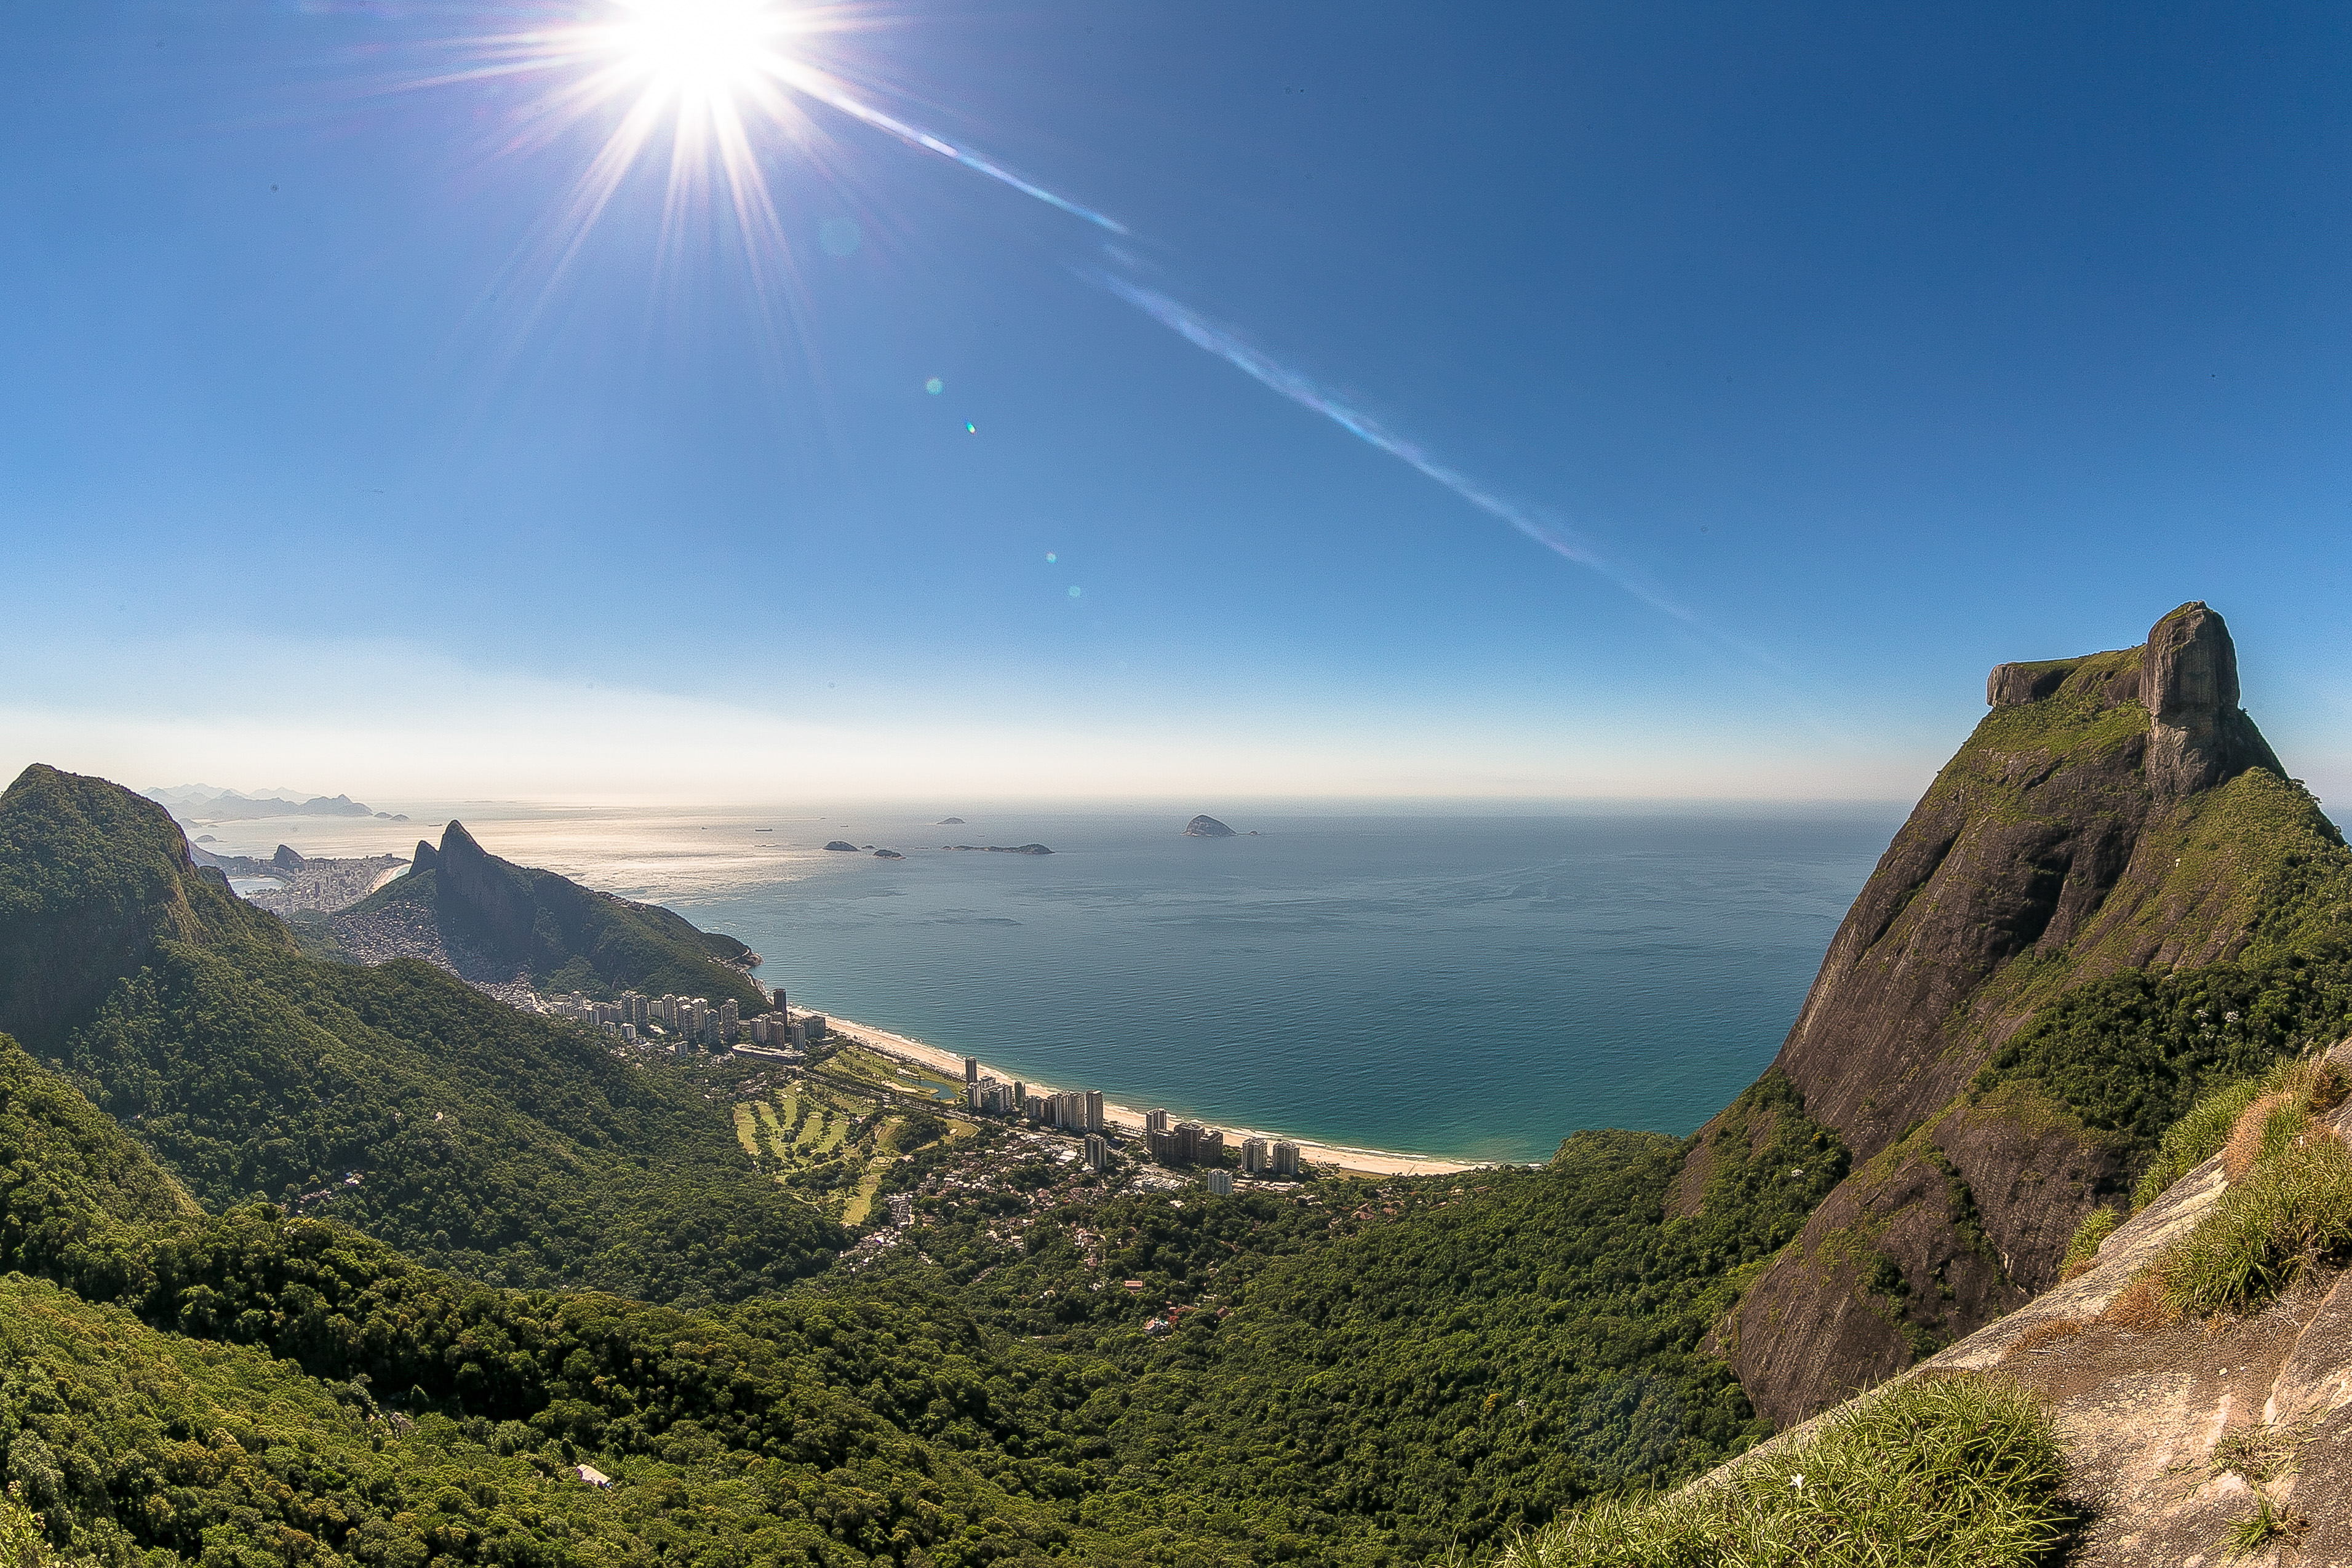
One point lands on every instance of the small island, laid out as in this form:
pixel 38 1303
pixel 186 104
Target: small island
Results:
pixel 999 849
pixel 948 822
pixel 889 855
pixel 1207 827
pixel 837 844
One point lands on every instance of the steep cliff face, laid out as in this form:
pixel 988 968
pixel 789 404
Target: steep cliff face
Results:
pixel 2113 812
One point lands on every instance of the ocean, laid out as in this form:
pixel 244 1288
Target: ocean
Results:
pixel 1468 985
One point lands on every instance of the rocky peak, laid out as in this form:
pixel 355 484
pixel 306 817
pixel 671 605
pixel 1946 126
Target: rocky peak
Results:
pixel 2189 681
pixel 426 858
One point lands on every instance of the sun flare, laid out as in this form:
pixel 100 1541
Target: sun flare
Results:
pixel 698 52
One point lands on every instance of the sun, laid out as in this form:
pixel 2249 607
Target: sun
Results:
pixel 725 84
pixel 706 54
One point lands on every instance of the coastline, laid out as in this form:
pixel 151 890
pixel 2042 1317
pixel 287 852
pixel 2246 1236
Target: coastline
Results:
pixel 1129 1120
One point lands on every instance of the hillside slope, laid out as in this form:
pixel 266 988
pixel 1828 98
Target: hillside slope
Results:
pixel 499 921
pixel 2110 895
pixel 507 1145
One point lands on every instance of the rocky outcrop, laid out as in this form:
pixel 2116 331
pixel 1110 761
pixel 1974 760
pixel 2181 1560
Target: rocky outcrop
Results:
pixel 2198 736
pixel 2079 832
pixel 1207 827
pixel 2170 1427
pixel 487 897
pixel 839 847
pixel 426 858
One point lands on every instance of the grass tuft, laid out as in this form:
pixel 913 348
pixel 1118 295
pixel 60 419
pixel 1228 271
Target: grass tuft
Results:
pixel 2289 1203
pixel 2083 1251
pixel 2293 1211
pixel 2215 1121
pixel 2195 1138
pixel 2269 1523
pixel 1962 1470
pixel 2257 1453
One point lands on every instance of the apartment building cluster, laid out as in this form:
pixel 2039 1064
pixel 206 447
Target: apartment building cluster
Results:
pixel 1191 1144
pixel 1170 1143
pixel 686 1022
pixel 1075 1111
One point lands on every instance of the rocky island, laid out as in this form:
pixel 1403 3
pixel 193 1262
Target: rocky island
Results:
pixel 999 849
pixel 846 849
pixel 1207 827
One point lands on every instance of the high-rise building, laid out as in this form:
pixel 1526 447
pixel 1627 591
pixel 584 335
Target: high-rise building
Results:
pixel 1094 1110
pixel 1161 1144
pixel 1020 1096
pixel 972 1070
pixel 1220 1182
pixel 1097 1151
pixel 1155 1122
pixel 1285 1157
pixel 1257 1158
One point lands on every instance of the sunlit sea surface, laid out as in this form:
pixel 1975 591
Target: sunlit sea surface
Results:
pixel 1469 986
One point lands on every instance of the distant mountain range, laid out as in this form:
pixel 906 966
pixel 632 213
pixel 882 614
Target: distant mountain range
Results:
pixel 203 802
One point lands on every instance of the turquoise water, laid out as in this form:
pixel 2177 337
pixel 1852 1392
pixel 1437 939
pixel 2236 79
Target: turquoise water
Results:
pixel 1475 987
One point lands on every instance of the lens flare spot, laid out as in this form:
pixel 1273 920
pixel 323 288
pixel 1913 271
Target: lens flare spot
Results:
pixel 971 429
pixel 839 236
pixel 1050 557
pixel 1075 590
pixel 935 386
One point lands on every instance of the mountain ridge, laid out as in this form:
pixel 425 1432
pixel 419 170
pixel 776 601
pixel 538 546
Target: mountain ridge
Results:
pixel 2114 814
pixel 517 920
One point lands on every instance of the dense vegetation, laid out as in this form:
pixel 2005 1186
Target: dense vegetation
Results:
pixel 2130 1054
pixel 1374 1375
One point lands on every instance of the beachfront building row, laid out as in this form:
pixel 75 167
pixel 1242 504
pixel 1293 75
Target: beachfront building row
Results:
pixel 1075 1111
pixel 690 1020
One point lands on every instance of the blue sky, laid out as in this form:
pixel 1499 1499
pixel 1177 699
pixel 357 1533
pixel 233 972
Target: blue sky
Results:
pixel 1864 346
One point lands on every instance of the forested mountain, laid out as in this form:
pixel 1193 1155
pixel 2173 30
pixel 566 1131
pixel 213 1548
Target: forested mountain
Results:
pixel 517 920
pixel 507 1145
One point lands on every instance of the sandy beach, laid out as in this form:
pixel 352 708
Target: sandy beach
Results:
pixel 1128 1120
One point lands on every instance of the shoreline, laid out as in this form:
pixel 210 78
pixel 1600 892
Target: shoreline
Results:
pixel 1130 1121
